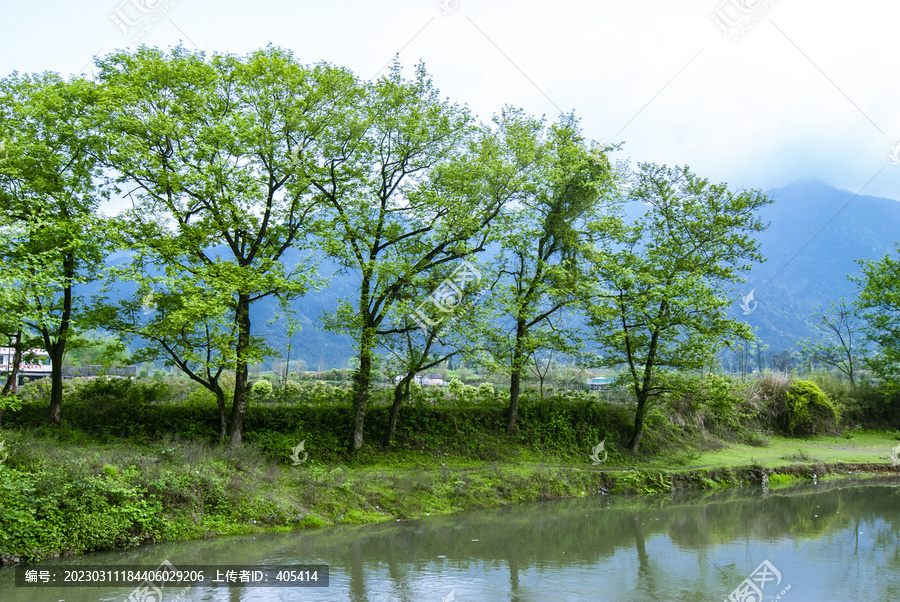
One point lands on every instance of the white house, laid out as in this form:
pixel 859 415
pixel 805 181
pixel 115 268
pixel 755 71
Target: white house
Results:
pixel 426 380
pixel 36 366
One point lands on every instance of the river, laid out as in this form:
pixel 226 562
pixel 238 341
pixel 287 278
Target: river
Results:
pixel 825 541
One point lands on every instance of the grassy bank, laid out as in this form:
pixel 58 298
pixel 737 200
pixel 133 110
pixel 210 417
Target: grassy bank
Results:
pixel 122 471
pixel 80 498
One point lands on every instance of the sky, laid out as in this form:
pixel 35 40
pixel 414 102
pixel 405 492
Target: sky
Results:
pixel 755 93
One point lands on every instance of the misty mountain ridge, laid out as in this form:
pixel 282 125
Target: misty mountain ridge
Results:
pixel 816 234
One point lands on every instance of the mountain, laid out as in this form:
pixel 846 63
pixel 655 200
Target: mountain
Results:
pixel 817 233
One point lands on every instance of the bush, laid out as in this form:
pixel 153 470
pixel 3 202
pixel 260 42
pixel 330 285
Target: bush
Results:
pixel 262 389
pixel 463 394
pixel 457 389
pixel 486 393
pixel 291 391
pixel 765 399
pixel 321 392
pixel 808 410
pixel 707 401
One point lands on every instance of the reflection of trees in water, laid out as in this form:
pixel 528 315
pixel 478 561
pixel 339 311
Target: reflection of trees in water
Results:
pixel 530 540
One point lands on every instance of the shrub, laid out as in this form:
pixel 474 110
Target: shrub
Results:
pixel 808 410
pixel 291 390
pixel 486 393
pixel 321 392
pixel 765 400
pixel 706 401
pixel 262 389
pixel 457 389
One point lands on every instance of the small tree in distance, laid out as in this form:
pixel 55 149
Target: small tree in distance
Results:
pixel 838 341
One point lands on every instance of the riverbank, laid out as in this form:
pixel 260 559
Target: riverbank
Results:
pixel 72 497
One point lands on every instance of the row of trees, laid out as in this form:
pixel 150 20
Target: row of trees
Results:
pixel 243 172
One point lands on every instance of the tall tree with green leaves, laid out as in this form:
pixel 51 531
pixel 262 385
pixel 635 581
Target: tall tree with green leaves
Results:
pixel 215 151
pixel 564 202
pixel 663 288
pixel 53 235
pixel 878 301
pixel 412 186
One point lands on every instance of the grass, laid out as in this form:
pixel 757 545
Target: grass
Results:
pixel 863 448
pixel 120 471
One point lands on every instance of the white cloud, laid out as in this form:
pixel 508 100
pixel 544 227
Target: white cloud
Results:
pixel 796 97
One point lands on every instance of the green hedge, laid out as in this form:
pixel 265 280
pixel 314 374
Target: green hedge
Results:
pixel 108 410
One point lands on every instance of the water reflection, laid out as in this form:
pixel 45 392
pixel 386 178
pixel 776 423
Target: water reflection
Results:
pixel 828 541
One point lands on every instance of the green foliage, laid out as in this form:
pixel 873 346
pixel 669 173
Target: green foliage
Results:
pixel 662 290
pixel 879 303
pixel 564 187
pixel 464 394
pixel 290 391
pixel 710 402
pixel 262 389
pixel 486 393
pixel 237 186
pixel 808 411
pixel 456 388
pixel 52 235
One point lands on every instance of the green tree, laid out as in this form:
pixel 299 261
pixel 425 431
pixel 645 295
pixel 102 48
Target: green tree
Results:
pixel 406 197
pixel 664 287
pixel 215 150
pixel 563 202
pixel 838 341
pixel 878 301
pixel 53 236
pixel 422 345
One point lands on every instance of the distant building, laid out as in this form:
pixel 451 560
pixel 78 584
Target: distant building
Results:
pixel 35 365
pixel 603 382
pixel 426 380
pixel 95 370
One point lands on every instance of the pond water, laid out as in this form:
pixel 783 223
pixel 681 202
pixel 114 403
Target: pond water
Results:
pixel 829 541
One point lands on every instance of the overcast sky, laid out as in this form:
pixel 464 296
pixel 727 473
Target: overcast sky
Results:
pixel 753 93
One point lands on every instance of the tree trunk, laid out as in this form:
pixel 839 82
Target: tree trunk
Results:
pixel 57 349
pixel 401 392
pixel 223 418
pixel 56 384
pixel 13 368
pixel 241 373
pixel 638 431
pixel 361 382
pixel 515 378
